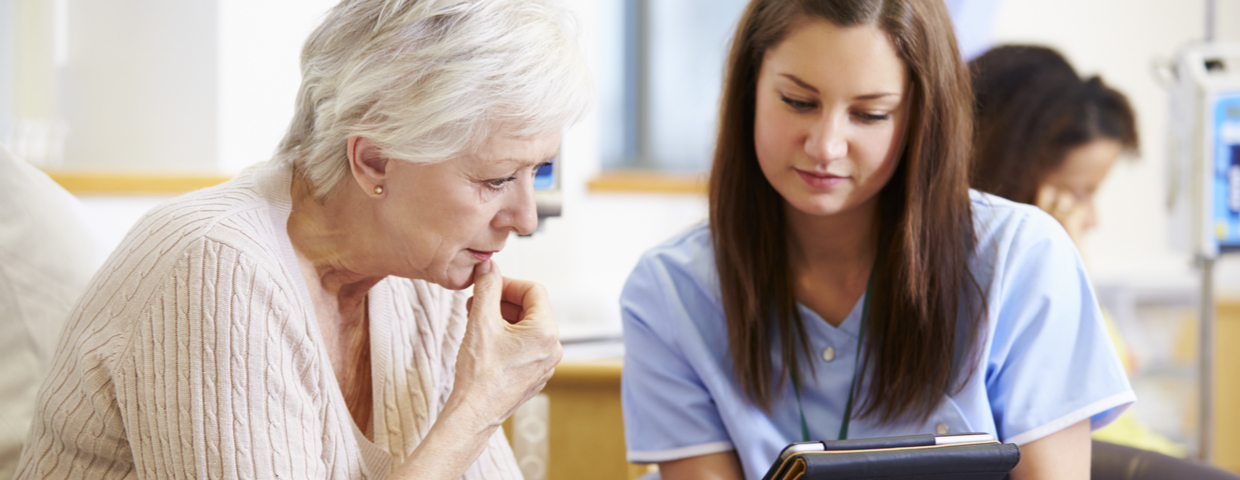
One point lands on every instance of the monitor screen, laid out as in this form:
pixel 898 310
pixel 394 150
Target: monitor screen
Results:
pixel 544 179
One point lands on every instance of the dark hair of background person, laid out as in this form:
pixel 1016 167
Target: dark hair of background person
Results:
pixel 924 228
pixel 1031 109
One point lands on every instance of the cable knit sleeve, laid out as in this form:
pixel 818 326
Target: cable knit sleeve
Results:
pixel 218 379
pixel 214 375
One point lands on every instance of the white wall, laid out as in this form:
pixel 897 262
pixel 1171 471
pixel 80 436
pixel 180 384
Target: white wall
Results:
pixel 585 256
pixel 1120 40
pixel 32 73
pixel 138 87
pixel 258 72
pixel 6 68
pixel 149 85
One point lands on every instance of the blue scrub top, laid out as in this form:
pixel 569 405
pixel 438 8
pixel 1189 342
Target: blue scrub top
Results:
pixel 1045 363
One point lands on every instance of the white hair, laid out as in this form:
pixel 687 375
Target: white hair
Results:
pixel 428 80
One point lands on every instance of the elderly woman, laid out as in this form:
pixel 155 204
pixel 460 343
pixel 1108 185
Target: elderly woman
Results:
pixel 301 320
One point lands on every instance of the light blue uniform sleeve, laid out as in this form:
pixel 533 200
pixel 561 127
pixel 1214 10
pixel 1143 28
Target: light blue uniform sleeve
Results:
pixel 1051 363
pixel 669 413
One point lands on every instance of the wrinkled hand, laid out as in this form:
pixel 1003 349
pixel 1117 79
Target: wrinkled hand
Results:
pixel 511 345
pixel 1063 205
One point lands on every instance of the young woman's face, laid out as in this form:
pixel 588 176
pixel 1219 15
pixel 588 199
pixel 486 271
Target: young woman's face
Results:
pixel 830 116
pixel 1067 192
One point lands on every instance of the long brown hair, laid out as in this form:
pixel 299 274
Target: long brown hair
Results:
pixel 1032 108
pixel 920 276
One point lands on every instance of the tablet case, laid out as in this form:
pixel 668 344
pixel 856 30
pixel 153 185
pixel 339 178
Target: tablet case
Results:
pixel 913 457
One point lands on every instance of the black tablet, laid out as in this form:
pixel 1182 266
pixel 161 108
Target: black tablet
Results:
pixel 970 456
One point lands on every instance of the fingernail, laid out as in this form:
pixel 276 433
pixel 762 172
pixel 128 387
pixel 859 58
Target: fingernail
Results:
pixel 484 267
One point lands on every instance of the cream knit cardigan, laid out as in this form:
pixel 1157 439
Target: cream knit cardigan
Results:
pixel 195 354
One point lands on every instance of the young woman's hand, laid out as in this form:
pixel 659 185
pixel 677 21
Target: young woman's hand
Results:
pixel 1074 214
pixel 1063 455
pixel 713 466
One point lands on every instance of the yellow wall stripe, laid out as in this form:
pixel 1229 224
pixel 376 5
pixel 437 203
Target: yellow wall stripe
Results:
pixel 648 182
pixel 97 183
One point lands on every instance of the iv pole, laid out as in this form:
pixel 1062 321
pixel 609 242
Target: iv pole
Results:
pixel 1206 344
pixel 1205 415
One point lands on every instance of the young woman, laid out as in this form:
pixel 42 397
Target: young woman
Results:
pixel 1048 137
pixel 849 284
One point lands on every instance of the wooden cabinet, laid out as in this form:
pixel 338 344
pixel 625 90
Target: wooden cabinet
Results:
pixel 585 424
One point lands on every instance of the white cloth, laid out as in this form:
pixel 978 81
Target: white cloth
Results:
pixel 196 354
pixel 47 256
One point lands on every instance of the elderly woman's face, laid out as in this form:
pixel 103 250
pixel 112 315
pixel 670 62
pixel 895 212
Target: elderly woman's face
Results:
pixel 446 217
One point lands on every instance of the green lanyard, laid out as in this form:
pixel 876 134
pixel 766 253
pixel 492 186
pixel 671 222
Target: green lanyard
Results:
pixel 796 387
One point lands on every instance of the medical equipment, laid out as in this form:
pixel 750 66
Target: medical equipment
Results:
pixel 1204 188
pixel 547 190
pixel 1203 193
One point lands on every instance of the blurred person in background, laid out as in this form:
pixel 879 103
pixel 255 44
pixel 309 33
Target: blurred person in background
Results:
pixel 307 319
pixel 1047 137
pixel 47 256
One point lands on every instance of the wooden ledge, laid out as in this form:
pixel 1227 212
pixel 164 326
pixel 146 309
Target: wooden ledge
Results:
pixel 638 181
pixel 105 183
pixel 587 372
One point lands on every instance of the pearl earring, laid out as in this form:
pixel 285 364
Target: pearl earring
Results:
pixel 378 190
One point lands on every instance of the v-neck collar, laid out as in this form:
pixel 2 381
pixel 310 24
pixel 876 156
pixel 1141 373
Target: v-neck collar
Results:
pixel 850 327
pixel 272 181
